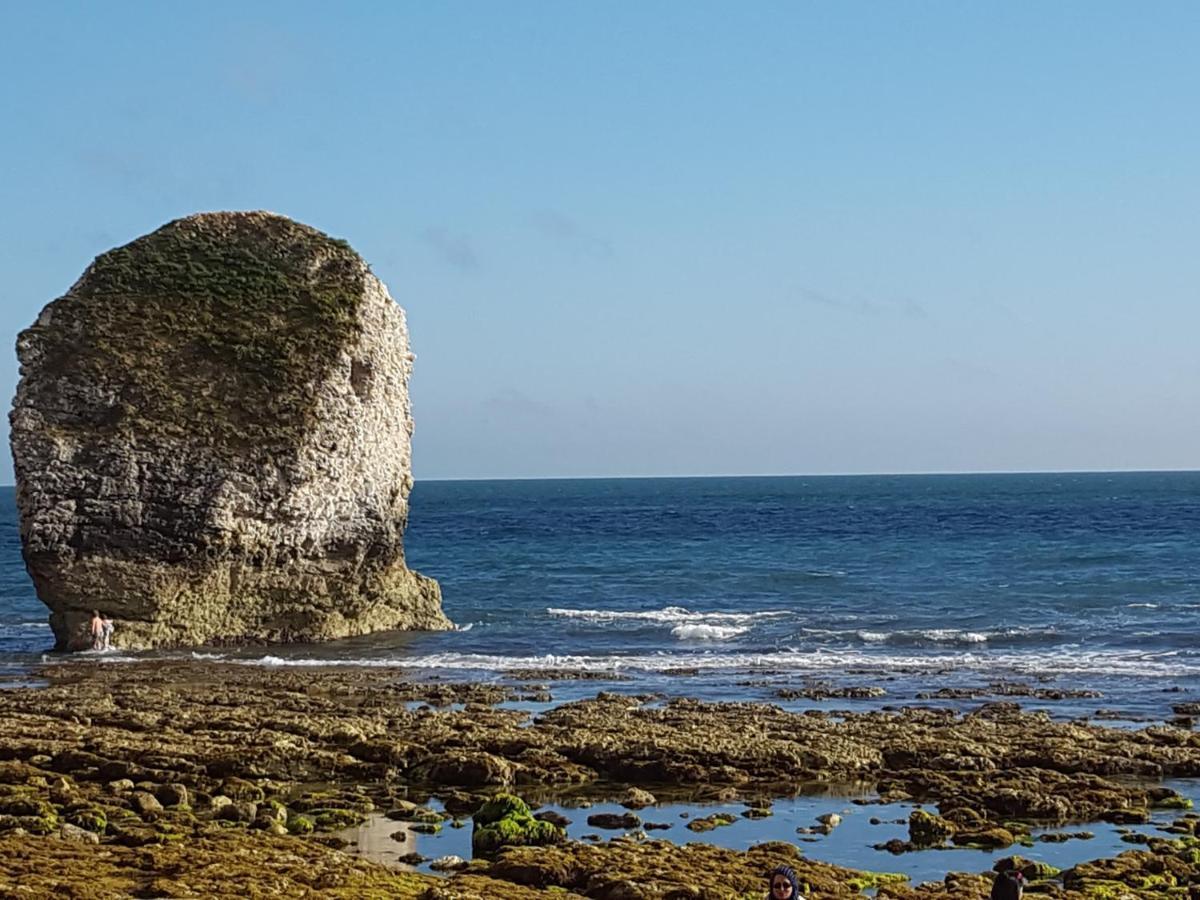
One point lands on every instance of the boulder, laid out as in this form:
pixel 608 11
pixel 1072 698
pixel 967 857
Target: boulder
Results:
pixel 505 821
pixel 927 830
pixel 172 795
pixel 614 820
pixel 145 804
pixel 637 798
pixel 211 439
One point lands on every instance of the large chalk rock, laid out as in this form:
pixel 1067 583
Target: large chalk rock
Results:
pixel 211 438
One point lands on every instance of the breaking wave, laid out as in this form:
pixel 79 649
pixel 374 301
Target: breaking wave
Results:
pixel 669 615
pixel 1061 661
pixel 702 632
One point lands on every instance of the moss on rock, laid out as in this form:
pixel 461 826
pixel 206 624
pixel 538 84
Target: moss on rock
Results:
pixel 927 830
pixel 300 825
pixel 505 821
pixel 91 818
pixel 335 819
pixel 209 310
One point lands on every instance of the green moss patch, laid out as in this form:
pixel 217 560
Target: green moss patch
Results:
pixel 91 818
pixel 213 327
pixel 335 819
pixel 708 823
pixel 505 821
pixel 300 825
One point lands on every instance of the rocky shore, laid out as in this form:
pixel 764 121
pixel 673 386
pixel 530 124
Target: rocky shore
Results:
pixel 182 779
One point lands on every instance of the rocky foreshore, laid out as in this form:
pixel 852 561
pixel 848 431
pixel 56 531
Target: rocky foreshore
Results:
pixel 181 779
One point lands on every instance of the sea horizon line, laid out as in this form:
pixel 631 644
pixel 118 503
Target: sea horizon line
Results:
pixel 943 473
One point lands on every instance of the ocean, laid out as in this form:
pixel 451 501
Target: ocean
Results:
pixel 1070 592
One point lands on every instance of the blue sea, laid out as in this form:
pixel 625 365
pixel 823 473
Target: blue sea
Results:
pixel 737 588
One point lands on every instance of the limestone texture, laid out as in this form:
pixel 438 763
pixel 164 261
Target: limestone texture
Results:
pixel 212 442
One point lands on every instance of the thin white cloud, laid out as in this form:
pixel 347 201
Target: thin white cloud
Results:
pixel 860 306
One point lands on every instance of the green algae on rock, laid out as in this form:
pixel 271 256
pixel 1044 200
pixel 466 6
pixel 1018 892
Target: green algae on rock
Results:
pixel 212 439
pixel 505 821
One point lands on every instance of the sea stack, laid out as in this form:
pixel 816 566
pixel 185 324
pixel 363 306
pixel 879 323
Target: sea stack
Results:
pixel 212 442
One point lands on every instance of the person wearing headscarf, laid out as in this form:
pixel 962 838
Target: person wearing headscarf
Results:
pixel 783 884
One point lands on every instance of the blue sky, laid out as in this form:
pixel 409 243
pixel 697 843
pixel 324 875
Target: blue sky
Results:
pixel 673 238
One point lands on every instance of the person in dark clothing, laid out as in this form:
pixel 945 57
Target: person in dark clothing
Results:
pixel 784 885
pixel 1009 885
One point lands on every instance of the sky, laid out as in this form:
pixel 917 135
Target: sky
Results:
pixel 672 238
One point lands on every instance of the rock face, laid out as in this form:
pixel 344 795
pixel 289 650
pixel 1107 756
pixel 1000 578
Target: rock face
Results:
pixel 211 439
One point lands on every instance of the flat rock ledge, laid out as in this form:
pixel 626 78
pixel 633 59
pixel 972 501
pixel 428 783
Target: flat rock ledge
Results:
pixel 212 442
pixel 197 779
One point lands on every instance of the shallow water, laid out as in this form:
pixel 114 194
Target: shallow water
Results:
pixel 850 844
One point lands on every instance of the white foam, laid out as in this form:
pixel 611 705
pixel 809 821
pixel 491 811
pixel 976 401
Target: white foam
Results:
pixel 952 636
pixel 937 635
pixel 702 632
pixel 669 615
pixel 1060 661
pixel 1141 606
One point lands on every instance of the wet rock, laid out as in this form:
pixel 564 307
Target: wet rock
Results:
pixel 335 819
pixel 21 805
pixel 636 798
pixel 554 818
pixel 300 825
pixel 239 811
pixel 467 770
pixel 274 810
pixel 458 803
pixel 828 692
pixel 448 864
pixel 69 832
pixel 172 795
pixel 89 818
pixel 145 804
pixel 928 830
pixel 708 823
pixel 241 789
pixel 987 839
pixel 505 821
pixel 614 820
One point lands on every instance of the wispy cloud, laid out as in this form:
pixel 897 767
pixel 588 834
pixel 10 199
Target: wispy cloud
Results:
pixel 905 307
pixel 455 250
pixel 561 227
pixel 512 402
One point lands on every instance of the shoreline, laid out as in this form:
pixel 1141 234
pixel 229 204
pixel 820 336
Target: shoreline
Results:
pixel 243 746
